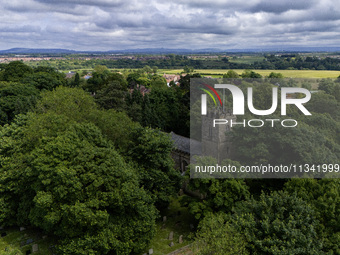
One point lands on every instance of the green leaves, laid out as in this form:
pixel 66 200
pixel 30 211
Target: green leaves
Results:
pixel 59 172
pixel 279 223
pixel 217 236
pixel 150 149
pixel 218 195
pixel 15 71
pixel 324 196
pixel 16 98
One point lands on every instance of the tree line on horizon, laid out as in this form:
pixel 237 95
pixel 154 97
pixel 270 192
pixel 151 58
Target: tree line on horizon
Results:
pixel 174 61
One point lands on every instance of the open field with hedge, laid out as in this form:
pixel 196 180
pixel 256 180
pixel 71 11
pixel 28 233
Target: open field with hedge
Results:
pixel 285 73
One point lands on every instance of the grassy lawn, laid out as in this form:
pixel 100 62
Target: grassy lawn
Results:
pixel 286 73
pixel 178 221
pixel 17 242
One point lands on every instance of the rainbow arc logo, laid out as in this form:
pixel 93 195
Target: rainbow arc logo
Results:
pixel 209 93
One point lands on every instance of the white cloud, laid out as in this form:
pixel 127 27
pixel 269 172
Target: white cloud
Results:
pixel 121 24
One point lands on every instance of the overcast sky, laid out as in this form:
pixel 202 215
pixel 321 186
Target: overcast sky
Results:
pixel 191 24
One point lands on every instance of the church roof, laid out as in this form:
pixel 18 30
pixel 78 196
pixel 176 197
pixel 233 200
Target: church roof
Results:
pixel 184 143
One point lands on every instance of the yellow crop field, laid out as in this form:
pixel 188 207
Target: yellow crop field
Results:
pixel 285 73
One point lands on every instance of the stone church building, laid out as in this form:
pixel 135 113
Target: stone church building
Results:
pixel 214 141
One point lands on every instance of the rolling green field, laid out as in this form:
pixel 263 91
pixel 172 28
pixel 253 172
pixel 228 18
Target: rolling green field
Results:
pixel 286 73
pixel 217 73
pixel 246 59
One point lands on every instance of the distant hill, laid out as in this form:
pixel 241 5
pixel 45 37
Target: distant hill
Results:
pixel 36 51
pixel 126 51
pixel 168 51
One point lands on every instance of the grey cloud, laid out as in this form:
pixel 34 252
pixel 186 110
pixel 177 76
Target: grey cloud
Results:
pixel 105 3
pixel 252 6
pixel 114 24
pixel 36 7
pixel 312 27
pixel 191 23
pixel 20 29
pixel 217 4
pixel 282 6
pixel 123 20
pixel 302 16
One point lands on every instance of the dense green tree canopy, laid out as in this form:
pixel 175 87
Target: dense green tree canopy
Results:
pixel 15 71
pixel 158 82
pixel 216 236
pixel 231 74
pixel 250 74
pixel 77 167
pixel 73 183
pixel 16 98
pixel 150 149
pixel 279 223
pixel 45 80
pixel 91 177
pixel 277 145
pixel 275 75
pixel 324 196
pixel 217 195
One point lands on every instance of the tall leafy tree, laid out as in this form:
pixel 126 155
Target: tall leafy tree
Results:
pixel 149 118
pixel 324 196
pixel 216 195
pixel 61 174
pixel 216 236
pixel 15 71
pixel 165 105
pixel 150 149
pixel 231 74
pixel 112 96
pixel 16 98
pixel 278 223
pixel 278 145
pixel 158 82
pixel 78 106
pixel 45 80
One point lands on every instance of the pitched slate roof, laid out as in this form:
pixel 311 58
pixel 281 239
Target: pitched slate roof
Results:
pixel 184 143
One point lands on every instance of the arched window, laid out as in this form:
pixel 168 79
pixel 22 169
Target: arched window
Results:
pixel 184 166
